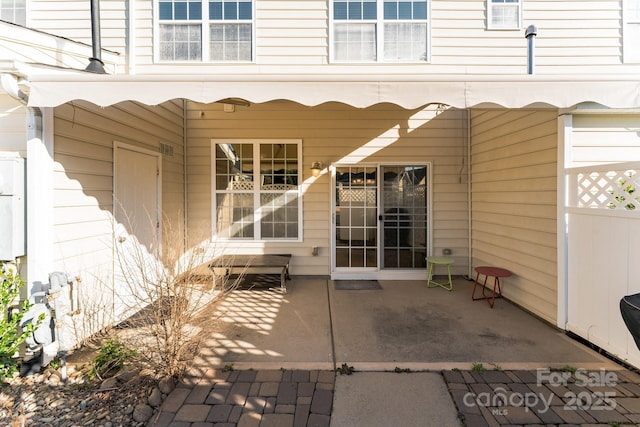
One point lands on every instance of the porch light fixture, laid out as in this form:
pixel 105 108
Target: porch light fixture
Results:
pixel 316 168
pixel 236 101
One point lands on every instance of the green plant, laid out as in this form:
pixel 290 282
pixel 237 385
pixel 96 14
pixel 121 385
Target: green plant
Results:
pixel 478 367
pixel 398 370
pixel 11 335
pixel 567 368
pixel 55 363
pixel 228 368
pixel 345 369
pixel 620 197
pixel 110 359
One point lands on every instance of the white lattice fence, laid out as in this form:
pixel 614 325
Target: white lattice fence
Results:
pixel 612 186
pixel 603 235
pixel 363 196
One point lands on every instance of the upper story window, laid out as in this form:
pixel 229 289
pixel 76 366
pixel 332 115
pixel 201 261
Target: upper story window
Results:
pixel 380 30
pixel 14 11
pixel 205 30
pixel 631 31
pixel 504 14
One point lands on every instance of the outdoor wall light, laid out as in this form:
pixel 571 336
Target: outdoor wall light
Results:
pixel 316 168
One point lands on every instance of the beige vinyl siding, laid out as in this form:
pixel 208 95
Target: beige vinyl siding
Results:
pixel 84 136
pixel 29 46
pixel 513 197
pixel 291 32
pixel 574 37
pixel 335 133
pixel 286 33
pixel 143 33
pixel 600 139
pixel 576 34
pixel 72 19
pixel 459 37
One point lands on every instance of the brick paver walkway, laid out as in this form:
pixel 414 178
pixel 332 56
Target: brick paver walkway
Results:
pixel 545 397
pixel 248 398
pixel 304 398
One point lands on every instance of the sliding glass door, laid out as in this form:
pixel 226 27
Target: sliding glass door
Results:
pixel 380 218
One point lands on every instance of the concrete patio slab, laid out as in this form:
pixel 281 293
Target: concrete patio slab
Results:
pixel 406 324
pixel 417 356
pixel 265 328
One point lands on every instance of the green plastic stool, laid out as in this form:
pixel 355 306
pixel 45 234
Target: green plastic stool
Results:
pixel 439 260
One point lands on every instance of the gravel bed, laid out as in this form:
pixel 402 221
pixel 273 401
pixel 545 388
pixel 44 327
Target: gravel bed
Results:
pixel 129 398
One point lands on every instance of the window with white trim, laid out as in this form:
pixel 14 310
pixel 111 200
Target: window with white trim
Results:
pixel 504 14
pixel 631 31
pixel 205 30
pixel 14 11
pixel 257 189
pixel 380 30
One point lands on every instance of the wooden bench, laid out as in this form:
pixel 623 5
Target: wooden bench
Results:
pixel 279 261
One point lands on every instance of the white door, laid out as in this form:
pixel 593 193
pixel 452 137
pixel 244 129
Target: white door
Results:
pixel 380 221
pixel 137 195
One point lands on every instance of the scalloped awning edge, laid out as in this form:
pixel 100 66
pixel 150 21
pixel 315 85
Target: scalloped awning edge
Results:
pixel 406 91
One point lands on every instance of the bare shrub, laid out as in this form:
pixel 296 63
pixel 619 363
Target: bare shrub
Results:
pixel 162 290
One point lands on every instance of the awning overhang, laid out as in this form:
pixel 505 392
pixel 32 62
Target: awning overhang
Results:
pixel 407 91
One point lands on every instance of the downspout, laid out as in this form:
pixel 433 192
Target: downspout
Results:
pixel 95 62
pixel 185 201
pixel 469 274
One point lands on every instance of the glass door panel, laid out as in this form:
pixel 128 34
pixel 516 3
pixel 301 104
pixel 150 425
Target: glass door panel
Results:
pixel 356 217
pixel 404 216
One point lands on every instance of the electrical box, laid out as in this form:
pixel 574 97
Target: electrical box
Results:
pixel 12 206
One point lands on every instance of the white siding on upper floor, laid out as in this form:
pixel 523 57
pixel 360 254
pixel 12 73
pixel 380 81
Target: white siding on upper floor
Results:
pixel 513 200
pixel 72 19
pixel 286 30
pixel 574 37
pixel 143 33
pixel 601 139
pixel 334 133
pixel 33 47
